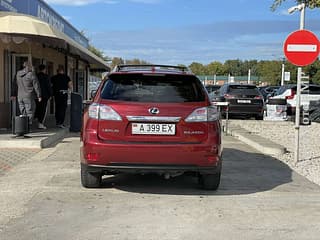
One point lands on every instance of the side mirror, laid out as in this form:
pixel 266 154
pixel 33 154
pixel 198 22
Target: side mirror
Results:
pixel 93 94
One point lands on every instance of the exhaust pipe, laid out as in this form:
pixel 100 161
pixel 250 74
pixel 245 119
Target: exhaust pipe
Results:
pixel 166 176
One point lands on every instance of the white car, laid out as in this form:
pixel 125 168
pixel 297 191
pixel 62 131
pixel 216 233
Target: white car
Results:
pixel 309 92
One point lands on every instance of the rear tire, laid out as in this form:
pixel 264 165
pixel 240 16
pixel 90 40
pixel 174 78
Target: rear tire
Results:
pixel 210 181
pixel 259 117
pixel 90 179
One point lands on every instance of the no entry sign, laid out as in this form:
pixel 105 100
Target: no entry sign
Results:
pixel 301 48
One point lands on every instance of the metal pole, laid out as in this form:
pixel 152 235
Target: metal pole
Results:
pixel 297 123
pixel 282 75
pixel 249 76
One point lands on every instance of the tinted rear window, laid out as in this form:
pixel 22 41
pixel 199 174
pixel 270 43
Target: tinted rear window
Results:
pixel 153 88
pixel 243 90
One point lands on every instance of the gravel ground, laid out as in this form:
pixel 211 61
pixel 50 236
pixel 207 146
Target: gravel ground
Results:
pixel 283 133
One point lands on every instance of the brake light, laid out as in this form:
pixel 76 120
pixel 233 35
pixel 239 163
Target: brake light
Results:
pixel 92 156
pixel 292 94
pixel 257 97
pixel 103 112
pixel 205 114
pixel 229 96
pixel 93 111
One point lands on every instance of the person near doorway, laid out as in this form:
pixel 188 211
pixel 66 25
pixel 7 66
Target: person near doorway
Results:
pixel 25 85
pixel 61 83
pixel 46 93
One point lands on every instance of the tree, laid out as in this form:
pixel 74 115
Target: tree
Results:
pixel 313 71
pixel 197 68
pixel 136 61
pixel 116 61
pixel 270 71
pixel 234 67
pixel 98 52
pixel 309 3
pixel 216 68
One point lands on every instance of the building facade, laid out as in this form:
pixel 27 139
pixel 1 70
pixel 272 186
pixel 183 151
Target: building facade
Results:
pixel 32 30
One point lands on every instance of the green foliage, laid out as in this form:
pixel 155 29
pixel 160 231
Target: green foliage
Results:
pixel 116 61
pixel 98 53
pixel 198 68
pixel 309 3
pixel 313 71
pixel 136 61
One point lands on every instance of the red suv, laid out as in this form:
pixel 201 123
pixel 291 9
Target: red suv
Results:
pixel 151 119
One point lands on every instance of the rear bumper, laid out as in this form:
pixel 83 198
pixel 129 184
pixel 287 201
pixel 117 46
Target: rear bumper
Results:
pixel 244 109
pixel 150 156
pixel 113 168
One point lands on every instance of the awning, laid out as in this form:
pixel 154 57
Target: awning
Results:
pixel 16 24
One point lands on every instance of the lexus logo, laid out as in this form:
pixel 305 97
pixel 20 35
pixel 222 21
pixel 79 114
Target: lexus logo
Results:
pixel 154 110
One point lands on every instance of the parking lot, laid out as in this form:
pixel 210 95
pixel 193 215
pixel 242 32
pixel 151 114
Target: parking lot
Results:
pixel 260 197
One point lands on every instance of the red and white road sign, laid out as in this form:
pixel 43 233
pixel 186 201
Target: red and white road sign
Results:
pixel 301 48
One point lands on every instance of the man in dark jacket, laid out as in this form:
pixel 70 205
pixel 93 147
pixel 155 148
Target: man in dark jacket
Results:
pixel 46 93
pixel 61 83
pixel 24 86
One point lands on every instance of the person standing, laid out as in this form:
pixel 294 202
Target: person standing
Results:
pixel 61 83
pixel 25 85
pixel 46 93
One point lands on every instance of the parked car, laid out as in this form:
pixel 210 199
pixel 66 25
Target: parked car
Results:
pixel 212 88
pixel 268 91
pixel 244 100
pixel 309 92
pixel 151 119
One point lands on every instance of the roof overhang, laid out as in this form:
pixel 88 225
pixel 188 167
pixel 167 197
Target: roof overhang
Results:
pixel 15 24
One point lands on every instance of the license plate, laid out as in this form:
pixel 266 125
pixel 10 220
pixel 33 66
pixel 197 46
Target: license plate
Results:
pixel 244 101
pixel 153 128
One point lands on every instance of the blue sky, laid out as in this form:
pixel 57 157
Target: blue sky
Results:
pixel 185 31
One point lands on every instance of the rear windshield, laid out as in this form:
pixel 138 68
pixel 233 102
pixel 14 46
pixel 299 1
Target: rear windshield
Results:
pixel 153 88
pixel 243 90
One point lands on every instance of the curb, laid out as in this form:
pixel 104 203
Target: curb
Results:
pixel 261 144
pixel 37 140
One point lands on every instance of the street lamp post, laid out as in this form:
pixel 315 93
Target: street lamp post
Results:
pixel 301 7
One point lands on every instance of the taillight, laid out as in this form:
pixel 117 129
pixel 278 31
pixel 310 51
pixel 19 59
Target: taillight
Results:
pixel 229 96
pixel 103 112
pixel 292 94
pixel 257 97
pixel 205 114
pixel 92 156
pixel 93 111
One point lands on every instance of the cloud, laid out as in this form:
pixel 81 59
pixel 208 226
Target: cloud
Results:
pixel 202 43
pixel 79 2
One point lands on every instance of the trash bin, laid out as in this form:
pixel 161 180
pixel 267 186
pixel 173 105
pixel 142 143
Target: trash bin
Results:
pixel 75 112
pixel 276 109
pixel 21 125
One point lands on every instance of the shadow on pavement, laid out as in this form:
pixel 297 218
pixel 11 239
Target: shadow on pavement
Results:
pixel 242 173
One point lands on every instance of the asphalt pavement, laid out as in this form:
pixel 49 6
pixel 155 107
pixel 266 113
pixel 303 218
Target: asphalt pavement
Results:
pixel 259 198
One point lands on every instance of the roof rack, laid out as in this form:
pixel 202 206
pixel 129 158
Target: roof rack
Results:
pixel 151 67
